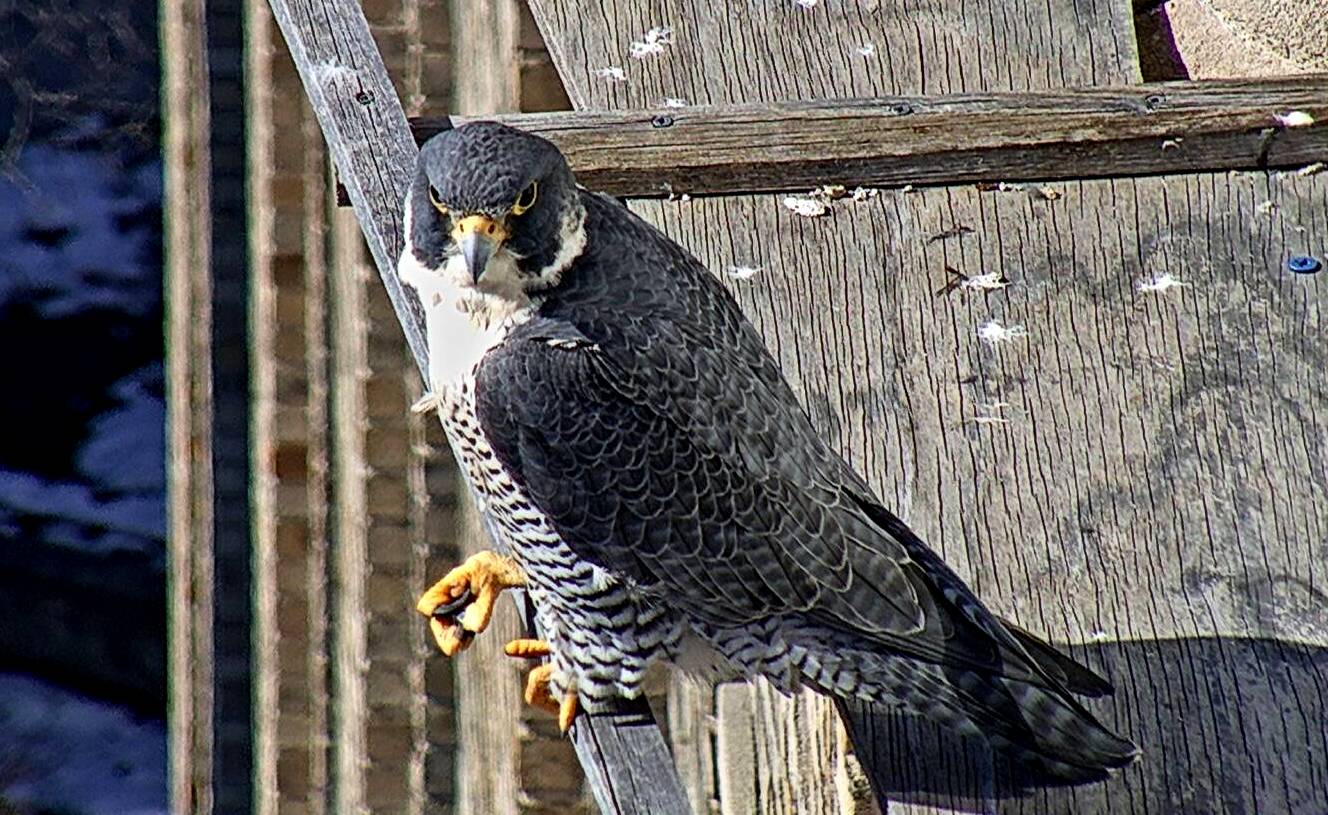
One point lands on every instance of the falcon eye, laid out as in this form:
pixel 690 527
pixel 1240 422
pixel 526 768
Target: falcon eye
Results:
pixel 526 199
pixel 436 200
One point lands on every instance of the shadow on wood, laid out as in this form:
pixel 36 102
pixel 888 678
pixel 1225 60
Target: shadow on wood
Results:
pixel 1226 724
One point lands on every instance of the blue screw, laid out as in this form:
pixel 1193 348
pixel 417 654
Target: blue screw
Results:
pixel 1303 264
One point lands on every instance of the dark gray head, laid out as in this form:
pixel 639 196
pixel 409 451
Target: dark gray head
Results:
pixel 485 189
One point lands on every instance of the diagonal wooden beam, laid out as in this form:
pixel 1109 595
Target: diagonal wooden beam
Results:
pixel 626 760
pixel 1158 128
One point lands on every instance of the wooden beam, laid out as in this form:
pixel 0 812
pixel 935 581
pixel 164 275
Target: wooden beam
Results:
pixel 187 269
pixel 1166 127
pixel 627 762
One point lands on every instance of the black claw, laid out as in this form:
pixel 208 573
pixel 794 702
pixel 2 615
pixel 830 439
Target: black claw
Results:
pixel 452 609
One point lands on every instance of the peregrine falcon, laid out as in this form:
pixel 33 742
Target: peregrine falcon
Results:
pixel 662 493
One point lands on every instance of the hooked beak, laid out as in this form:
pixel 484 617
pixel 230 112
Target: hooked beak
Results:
pixel 478 237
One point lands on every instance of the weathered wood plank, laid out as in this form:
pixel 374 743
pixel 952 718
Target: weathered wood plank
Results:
pixel 289 448
pixel 187 273
pixel 209 543
pixel 792 758
pixel 350 519
pixel 487 691
pixel 1138 472
pixel 370 143
pixel 761 53
pixel 691 718
pixel 735 53
pixel 1164 127
pixel 365 128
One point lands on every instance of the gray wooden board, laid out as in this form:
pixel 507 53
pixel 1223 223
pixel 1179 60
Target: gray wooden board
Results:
pixel 691 718
pixel 769 50
pixel 369 140
pixel 487 692
pixel 1163 127
pixel 1142 474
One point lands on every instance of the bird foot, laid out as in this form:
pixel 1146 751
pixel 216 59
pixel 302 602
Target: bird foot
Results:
pixel 460 605
pixel 538 692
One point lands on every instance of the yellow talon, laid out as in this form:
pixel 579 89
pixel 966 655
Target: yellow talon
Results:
pixel 567 711
pixel 538 695
pixel 481 578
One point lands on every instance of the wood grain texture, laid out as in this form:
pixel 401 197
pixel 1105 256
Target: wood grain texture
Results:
pixel 365 129
pixel 289 451
pixel 486 36
pixel 350 519
pixel 318 458
pixel 186 245
pixel 791 758
pixel 1164 127
pixel 1138 473
pixel 263 335
pixel 757 51
pixel 370 143
pixel 692 729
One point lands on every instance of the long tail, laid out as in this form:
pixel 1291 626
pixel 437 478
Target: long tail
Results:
pixel 1042 730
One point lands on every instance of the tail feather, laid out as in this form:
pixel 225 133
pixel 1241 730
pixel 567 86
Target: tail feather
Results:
pixel 1076 678
pixel 1042 730
pixel 1060 731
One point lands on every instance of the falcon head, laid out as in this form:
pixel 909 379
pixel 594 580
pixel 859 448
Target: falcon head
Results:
pixel 494 209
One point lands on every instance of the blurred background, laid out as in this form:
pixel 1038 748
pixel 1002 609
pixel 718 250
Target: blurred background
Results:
pixel 82 461
pixel 246 332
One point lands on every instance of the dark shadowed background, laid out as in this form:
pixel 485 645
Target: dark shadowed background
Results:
pixel 82 624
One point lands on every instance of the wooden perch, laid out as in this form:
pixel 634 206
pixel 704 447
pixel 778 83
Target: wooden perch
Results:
pixel 626 760
pixel 1167 127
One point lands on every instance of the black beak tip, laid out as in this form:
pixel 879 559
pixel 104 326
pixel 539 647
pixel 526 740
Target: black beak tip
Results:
pixel 476 253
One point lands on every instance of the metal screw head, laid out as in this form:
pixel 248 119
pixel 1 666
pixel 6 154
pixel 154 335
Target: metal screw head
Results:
pixel 901 108
pixel 364 97
pixel 1153 101
pixel 662 120
pixel 1303 264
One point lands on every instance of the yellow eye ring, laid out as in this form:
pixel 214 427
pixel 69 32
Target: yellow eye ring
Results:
pixel 526 199
pixel 437 203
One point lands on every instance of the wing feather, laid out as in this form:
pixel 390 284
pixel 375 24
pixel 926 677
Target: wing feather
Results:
pixel 665 446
